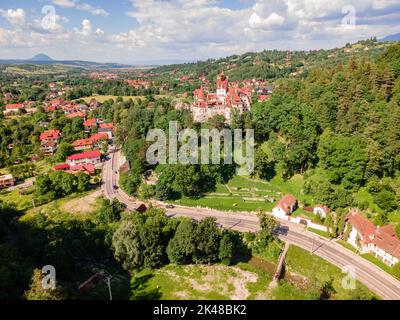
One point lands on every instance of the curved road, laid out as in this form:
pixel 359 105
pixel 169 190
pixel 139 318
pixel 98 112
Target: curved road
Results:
pixel 369 274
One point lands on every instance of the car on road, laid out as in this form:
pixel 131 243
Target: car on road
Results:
pixel 170 206
pixel 115 187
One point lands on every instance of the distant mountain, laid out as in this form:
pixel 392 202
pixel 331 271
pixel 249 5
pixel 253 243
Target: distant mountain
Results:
pixel 392 37
pixel 41 58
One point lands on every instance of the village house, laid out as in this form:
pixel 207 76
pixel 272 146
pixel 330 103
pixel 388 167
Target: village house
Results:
pixel 228 97
pixel 382 242
pixel 107 128
pixel 13 108
pixel 6 181
pixel 90 124
pixel 321 210
pixel 285 207
pixel 82 144
pixel 85 168
pixel 99 139
pixel 93 157
pixel 49 141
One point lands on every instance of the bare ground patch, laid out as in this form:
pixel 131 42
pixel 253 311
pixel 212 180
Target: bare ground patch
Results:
pixel 230 282
pixel 81 205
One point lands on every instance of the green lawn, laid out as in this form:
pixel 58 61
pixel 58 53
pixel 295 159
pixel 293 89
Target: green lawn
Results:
pixel 347 245
pixel 319 232
pixel 22 202
pixel 246 194
pixel 321 272
pixel 83 204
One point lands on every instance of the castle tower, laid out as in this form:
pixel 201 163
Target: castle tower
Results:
pixel 222 86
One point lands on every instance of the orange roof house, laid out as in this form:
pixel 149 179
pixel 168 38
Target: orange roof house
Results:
pixel 286 206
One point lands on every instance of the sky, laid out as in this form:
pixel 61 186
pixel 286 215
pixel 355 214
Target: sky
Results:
pixel 145 31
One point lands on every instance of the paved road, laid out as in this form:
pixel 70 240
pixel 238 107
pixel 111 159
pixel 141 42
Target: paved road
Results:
pixel 373 277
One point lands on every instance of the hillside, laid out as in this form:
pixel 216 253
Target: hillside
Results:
pixel 272 64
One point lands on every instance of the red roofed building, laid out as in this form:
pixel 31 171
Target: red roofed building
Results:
pixel 107 128
pixel 262 98
pixel 93 157
pixel 83 144
pixel 184 78
pixel 286 206
pixel 99 139
pixel 49 141
pixel 13 108
pixel 226 98
pixel 385 245
pixel 90 123
pixel 61 167
pixel 321 210
pixel 362 230
pixel 78 114
pixel 85 168
pixel 382 242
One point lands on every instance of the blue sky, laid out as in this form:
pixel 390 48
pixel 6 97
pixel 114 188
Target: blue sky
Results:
pixel 137 31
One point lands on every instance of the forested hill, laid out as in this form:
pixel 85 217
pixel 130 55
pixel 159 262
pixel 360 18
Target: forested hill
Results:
pixel 340 125
pixel 273 64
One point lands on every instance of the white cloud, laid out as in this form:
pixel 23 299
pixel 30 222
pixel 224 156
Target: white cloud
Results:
pixel 182 29
pixel 15 17
pixel 64 3
pixel 95 11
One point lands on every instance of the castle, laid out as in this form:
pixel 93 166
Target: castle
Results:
pixel 228 97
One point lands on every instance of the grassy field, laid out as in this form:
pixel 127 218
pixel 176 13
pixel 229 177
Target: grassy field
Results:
pixel 245 194
pixel 320 272
pixel 248 279
pixel 242 281
pixel 77 206
pixel 101 98
pixel 319 232
pixel 22 202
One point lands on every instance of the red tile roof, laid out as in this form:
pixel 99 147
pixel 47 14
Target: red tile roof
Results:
pixel 14 106
pixel 90 122
pixel 99 136
pixel 50 134
pixel 365 227
pixel 76 115
pixel 85 155
pixel 86 168
pixel 385 238
pixel 82 143
pixel 107 126
pixel 287 202
pixel 63 166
